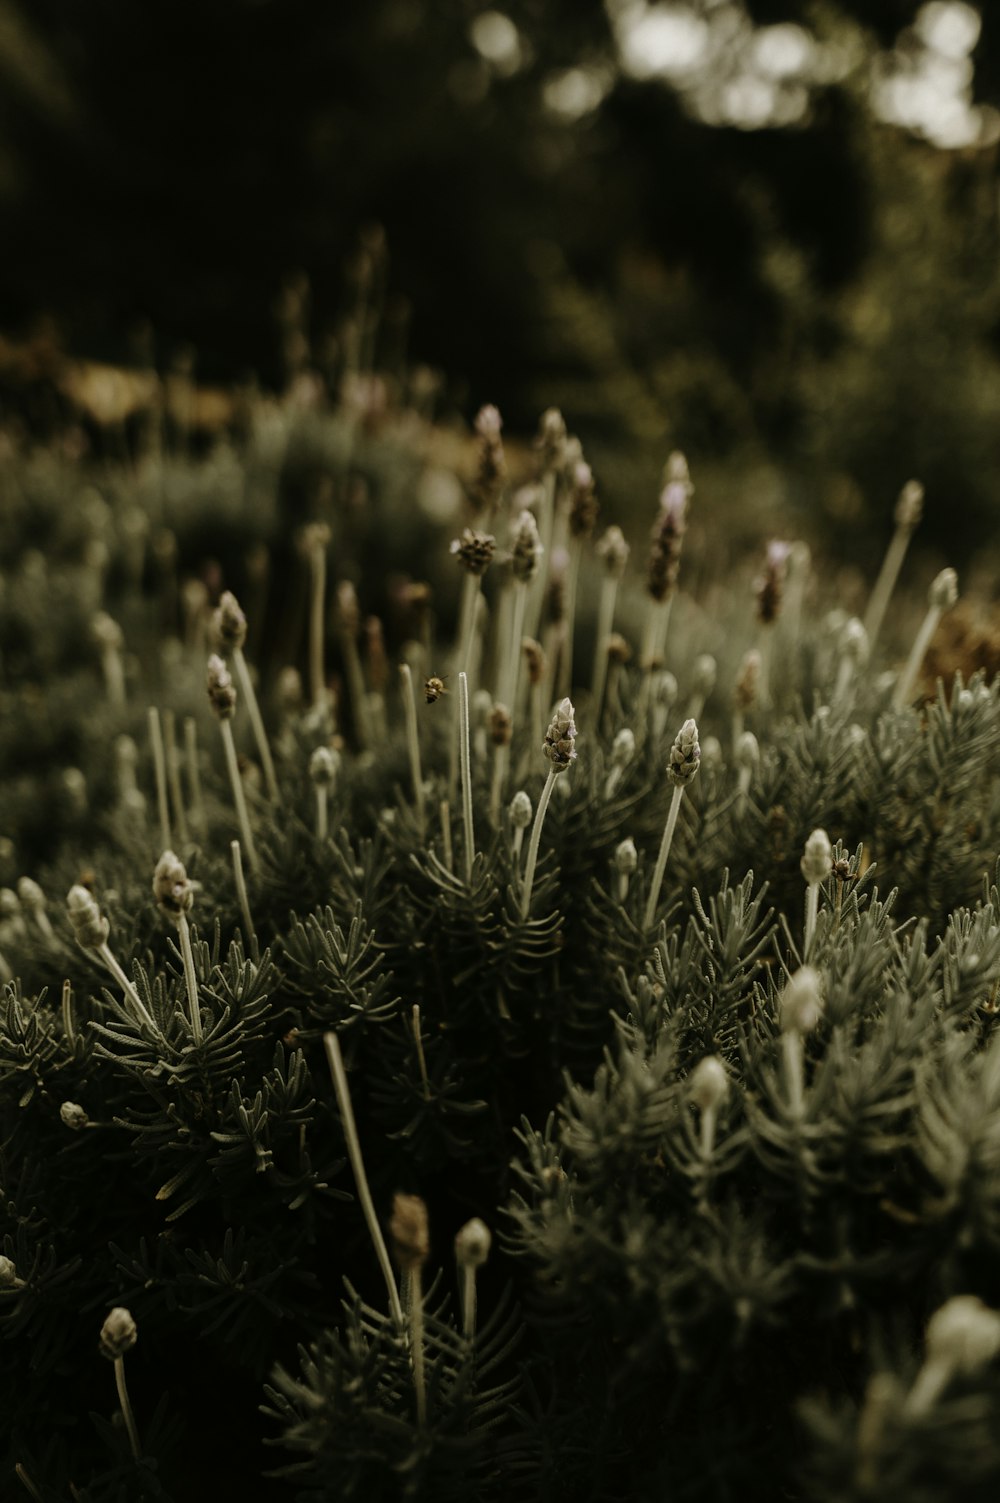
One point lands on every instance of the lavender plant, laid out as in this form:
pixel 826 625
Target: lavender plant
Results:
pixel 511 1137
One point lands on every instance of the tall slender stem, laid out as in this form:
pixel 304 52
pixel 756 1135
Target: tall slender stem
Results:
pixel 243 899
pixel 812 908
pixel 661 860
pixel 239 797
pixel 69 1030
pixel 317 623
pixel 172 761
pixel 415 1302
pixel 191 980
pixel 536 835
pixel 886 582
pixel 469 1301
pixel 512 676
pixel 257 724
pixel 605 626
pixel 160 768
pixel 127 1415
pixel 413 741
pixel 444 814
pixel 421 1061
pixel 908 677
pixel 565 684
pixel 193 775
pixel 466 760
pixel 126 985
pixel 336 1062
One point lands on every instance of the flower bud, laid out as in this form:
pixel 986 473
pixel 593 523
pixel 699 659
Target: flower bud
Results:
pixel 685 755
pixel 623 748
pixel 73 1116
pixel 324 764
pixel 501 726
pixel 229 624
pixel 801 1004
pixel 8 1275
pixel 472 1244
pixel 221 690
pixel 171 887
pixel 704 674
pixel 409 1232
pixel 90 929
pixel 526 549
pixel 613 551
pixel 964 1333
pixel 910 504
pixel 31 896
pixel 708 1085
pixel 559 744
pixel 817 858
pixel 520 810
pixel 854 642
pixel 626 857
pixel 944 590
pixel 747 751
pixel 474 551
pixel 118 1334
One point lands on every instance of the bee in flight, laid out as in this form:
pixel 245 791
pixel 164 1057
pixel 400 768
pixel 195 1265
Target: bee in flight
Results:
pixel 433 689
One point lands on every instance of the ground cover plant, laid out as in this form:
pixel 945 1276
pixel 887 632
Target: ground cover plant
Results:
pixel 480 1018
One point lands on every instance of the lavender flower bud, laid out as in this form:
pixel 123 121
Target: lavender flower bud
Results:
pixel 964 1333
pixel 708 1085
pixel 747 752
pixel 90 929
pixel 221 691
pixel 534 660
pixel 324 764
pixel 626 857
pixel 854 642
pixel 106 632
pixel 910 504
pixel 171 887
pixel 73 1116
pixel 526 549
pixel 8 1275
pixel 711 752
pixel 817 858
pixel 560 737
pixel 747 681
pixel 664 688
pixel 118 1334
pixel 704 674
pixel 613 550
pixel 685 755
pixel 801 1004
pixel 31 896
pixel 944 590
pixel 408 1230
pixel 551 438
pixel 520 810
pixel 474 551
pixel 229 624
pixel 472 1244
pixel 623 748
pixel 501 726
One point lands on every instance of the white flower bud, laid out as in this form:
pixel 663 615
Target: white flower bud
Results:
pixel 747 750
pixel 31 896
pixel 472 1244
pixel 708 1085
pixel 943 592
pixel 910 504
pixel 854 642
pixel 520 810
pixel 817 858
pixel 8 1275
pixel 704 674
pixel 711 752
pixel 626 857
pixel 118 1333
pixel 172 887
pixel 90 929
pixel 801 1003
pixel 73 1116
pixel 324 764
pixel 560 738
pixel 964 1333
pixel 664 688
pixel 623 748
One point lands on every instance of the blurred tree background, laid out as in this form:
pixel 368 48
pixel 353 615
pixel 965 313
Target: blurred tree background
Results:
pixel 763 230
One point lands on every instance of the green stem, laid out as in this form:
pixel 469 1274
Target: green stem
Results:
pixel 257 724
pixel 536 835
pixel 466 760
pixel 661 860
pixel 191 980
pixel 127 1415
